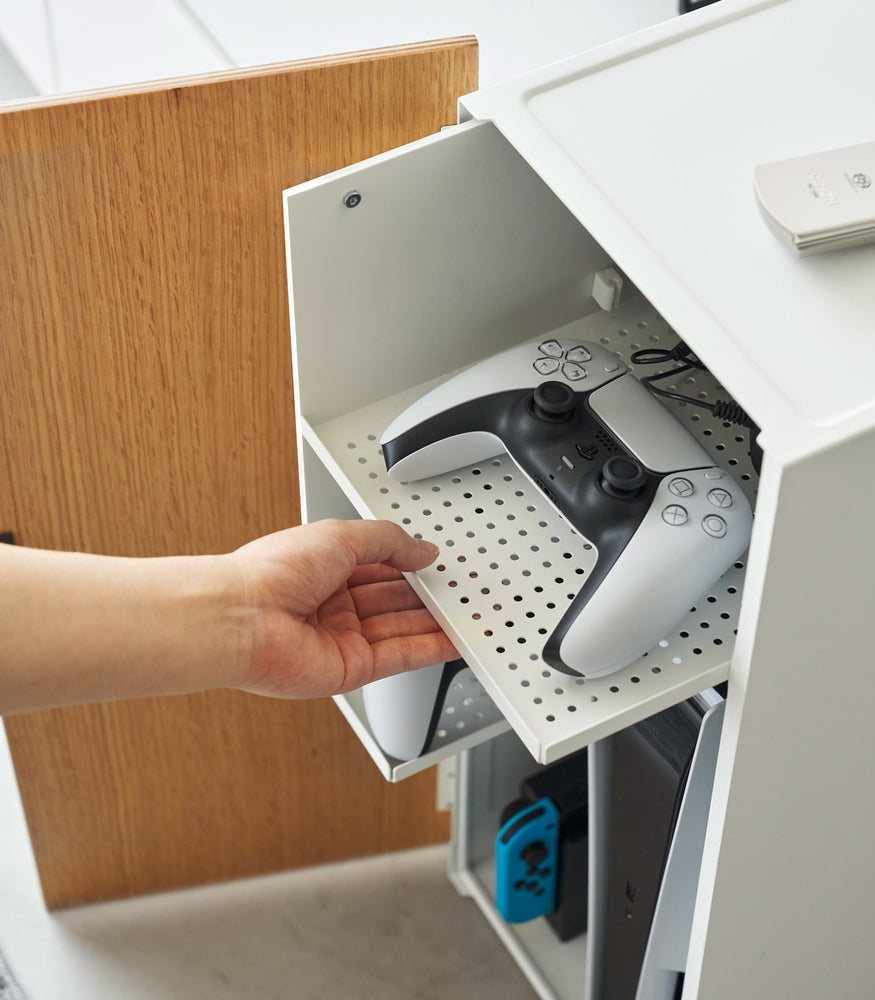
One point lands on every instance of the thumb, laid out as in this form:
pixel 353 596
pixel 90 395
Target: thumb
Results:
pixel 383 542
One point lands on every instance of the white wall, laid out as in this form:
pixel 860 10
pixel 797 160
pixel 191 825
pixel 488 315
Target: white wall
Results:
pixel 71 45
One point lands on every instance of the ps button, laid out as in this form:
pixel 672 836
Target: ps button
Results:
pixel 552 348
pixel 681 487
pixel 546 366
pixel 714 525
pixel 675 514
pixel 573 372
pixel 720 498
pixel 578 354
pixel 715 474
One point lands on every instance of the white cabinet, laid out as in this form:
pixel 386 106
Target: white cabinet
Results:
pixel 640 155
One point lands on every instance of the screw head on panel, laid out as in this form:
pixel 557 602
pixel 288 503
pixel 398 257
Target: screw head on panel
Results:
pixel 352 199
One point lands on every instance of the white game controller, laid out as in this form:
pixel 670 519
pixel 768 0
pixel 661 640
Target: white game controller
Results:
pixel 665 523
pixel 410 713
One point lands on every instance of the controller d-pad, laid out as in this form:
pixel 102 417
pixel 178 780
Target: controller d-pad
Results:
pixel 546 366
pixel 578 354
pixel 552 348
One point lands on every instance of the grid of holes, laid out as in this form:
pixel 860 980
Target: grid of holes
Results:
pixel 467 709
pixel 511 565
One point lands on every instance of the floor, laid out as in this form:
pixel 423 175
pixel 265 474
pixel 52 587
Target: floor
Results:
pixel 392 928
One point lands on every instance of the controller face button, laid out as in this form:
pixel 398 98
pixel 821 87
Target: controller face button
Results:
pixel 720 498
pixel 546 366
pixel 623 477
pixel 675 514
pixel 552 348
pixel 714 525
pixel 578 354
pixel 681 487
pixel 574 373
pixel 521 884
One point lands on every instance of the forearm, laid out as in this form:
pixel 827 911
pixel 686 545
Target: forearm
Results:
pixel 81 628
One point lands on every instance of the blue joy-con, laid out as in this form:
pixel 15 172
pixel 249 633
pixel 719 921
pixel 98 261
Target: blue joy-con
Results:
pixel 526 862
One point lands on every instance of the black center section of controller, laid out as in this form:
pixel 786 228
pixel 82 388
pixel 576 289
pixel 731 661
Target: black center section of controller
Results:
pixel 601 489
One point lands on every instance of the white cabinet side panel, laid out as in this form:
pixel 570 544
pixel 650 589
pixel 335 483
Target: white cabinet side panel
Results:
pixel 456 250
pixel 788 858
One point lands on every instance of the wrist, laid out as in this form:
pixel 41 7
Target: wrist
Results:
pixel 219 620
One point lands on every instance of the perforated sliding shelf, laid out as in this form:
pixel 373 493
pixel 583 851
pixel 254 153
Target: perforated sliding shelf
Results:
pixel 510 565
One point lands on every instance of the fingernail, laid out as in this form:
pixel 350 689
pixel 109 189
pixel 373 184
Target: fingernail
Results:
pixel 429 547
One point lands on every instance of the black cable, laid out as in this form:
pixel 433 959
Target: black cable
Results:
pixel 724 409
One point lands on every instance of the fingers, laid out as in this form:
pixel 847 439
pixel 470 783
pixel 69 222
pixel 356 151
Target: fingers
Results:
pixel 392 656
pixel 382 542
pixel 400 624
pixel 373 573
pixel 378 598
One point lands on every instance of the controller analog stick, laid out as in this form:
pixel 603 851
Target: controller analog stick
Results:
pixel 623 477
pixel 553 401
pixel 535 853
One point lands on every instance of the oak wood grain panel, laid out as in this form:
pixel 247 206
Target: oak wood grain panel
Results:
pixel 146 409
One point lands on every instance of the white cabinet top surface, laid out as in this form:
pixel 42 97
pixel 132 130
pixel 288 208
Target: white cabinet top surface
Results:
pixel 652 142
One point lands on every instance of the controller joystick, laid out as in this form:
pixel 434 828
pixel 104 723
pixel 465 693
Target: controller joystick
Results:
pixel 553 401
pixel 623 478
pixel 665 523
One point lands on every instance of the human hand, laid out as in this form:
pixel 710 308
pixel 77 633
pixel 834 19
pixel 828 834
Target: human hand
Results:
pixel 327 608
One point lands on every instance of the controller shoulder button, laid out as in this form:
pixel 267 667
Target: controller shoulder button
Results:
pixel 527 817
pixel 715 474
pixel 552 348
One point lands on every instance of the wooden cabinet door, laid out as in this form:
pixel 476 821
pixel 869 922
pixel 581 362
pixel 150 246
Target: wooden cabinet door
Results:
pixel 146 409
